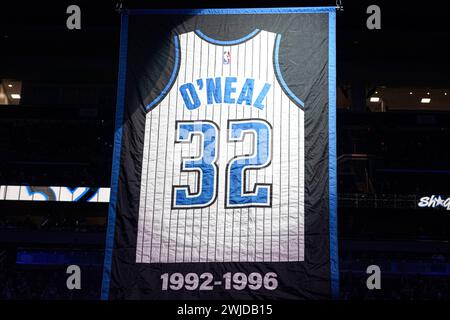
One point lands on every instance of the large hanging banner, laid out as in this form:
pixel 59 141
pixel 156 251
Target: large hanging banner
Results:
pixel 224 173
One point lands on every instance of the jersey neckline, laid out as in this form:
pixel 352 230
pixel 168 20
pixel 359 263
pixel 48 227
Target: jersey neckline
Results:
pixel 227 42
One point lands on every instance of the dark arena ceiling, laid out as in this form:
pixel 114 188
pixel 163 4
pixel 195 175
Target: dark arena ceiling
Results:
pixel 410 50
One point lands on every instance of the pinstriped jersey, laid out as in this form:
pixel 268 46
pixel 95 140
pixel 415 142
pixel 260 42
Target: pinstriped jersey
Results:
pixel 223 160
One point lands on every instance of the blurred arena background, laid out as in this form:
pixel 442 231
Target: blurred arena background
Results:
pixel 57 104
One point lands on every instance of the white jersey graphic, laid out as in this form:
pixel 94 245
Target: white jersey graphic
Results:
pixel 223 159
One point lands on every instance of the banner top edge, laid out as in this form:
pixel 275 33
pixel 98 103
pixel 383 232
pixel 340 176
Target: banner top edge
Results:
pixel 225 11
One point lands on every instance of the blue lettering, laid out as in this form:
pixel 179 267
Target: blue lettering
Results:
pixel 214 89
pixel 229 90
pixel 192 102
pixel 262 95
pixel 216 94
pixel 247 92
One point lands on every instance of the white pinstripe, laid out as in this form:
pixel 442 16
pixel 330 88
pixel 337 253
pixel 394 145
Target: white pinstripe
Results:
pixel 216 234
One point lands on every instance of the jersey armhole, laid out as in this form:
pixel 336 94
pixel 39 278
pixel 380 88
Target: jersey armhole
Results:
pixel 279 76
pixel 173 76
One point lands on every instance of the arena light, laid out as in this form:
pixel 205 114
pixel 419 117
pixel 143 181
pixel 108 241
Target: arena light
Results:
pixel 15 96
pixel 374 99
pixel 425 100
pixel 10 85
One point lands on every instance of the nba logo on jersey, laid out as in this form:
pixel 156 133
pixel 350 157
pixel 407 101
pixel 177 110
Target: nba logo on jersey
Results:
pixel 226 57
pixel 223 159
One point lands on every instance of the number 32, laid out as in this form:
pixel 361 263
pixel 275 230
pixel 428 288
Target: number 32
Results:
pixel 236 196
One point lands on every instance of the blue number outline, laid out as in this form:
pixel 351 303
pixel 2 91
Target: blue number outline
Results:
pixel 250 167
pixel 198 170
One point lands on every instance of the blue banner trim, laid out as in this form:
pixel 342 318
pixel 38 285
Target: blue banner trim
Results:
pixel 116 157
pixel 232 11
pixel 334 258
